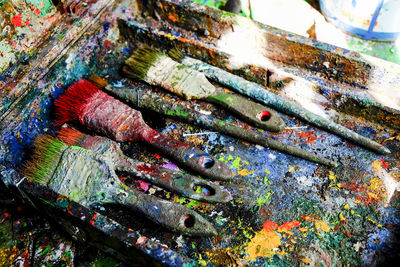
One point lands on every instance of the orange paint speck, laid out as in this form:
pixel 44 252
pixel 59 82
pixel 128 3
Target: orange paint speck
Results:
pixel 289 225
pixel 108 44
pixel 173 17
pixel 156 156
pixel 309 136
pixel 36 11
pixel 307 218
pixel 270 226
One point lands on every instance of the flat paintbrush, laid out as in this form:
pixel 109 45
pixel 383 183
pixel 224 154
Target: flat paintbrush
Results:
pixel 261 94
pixel 90 180
pixel 173 180
pixel 86 103
pixel 158 69
pixel 154 101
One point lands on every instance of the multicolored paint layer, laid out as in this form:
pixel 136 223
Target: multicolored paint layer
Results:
pixel 285 211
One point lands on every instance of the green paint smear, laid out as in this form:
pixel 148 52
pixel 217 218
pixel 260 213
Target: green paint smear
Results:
pixel 44 251
pixel 45 6
pixel 384 50
pixel 2 4
pixel 192 204
pixel 211 3
pixel 47 202
pixel 225 98
pixel 106 262
pixel 236 163
pixel 177 112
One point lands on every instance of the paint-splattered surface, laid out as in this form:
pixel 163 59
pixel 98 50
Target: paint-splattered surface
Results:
pixel 285 211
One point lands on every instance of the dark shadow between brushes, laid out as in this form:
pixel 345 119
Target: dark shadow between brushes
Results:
pixel 146 227
pixel 69 226
pixel 133 219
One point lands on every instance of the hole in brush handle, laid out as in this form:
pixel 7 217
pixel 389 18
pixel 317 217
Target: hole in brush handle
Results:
pixel 189 221
pixel 264 115
pixel 204 190
pixel 207 162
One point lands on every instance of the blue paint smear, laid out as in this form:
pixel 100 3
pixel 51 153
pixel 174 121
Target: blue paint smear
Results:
pixel 126 51
pixel 118 84
pixel 377 240
pixel 106 26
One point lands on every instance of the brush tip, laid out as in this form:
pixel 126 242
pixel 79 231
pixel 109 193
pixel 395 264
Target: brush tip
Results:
pixel 69 105
pixel 47 151
pixel 141 60
pixel 386 150
pixel 70 136
pixel 176 54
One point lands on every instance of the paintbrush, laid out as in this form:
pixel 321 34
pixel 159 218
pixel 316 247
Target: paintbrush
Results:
pixel 90 180
pixel 86 103
pixel 173 180
pixel 257 92
pixel 156 68
pixel 154 101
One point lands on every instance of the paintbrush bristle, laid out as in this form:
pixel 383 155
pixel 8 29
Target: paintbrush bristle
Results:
pixel 137 65
pixel 98 81
pixel 71 137
pixel 69 105
pixel 176 54
pixel 46 155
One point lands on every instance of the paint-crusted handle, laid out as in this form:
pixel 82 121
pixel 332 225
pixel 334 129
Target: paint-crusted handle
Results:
pixel 186 155
pixel 171 215
pixel 176 181
pixel 249 111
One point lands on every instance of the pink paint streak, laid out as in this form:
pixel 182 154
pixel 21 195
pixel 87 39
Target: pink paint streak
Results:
pixel 170 165
pixel 144 185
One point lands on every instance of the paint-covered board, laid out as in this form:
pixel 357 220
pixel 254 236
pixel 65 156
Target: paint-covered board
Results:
pixel 285 210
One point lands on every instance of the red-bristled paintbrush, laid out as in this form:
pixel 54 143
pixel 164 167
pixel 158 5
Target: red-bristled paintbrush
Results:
pixel 102 113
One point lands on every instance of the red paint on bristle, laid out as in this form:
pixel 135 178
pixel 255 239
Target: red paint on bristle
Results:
pixel 69 105
pixel 70 136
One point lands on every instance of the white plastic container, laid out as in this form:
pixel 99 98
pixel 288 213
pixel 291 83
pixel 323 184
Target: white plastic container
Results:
pixel 370 19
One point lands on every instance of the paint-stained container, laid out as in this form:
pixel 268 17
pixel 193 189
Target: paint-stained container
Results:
pixel 372 19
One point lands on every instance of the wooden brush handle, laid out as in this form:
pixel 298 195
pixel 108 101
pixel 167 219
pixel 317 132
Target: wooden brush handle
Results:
pixel 176 181
pixel 169 214
pixel 186 155
pixel 249 111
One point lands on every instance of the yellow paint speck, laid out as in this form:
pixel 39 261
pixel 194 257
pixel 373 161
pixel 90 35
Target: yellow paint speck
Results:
pixel 306 260
pixel 375 184
pixel 332 176
pixel 321 225
pixel 244 172
pixel 374 222
pixel 376 165
pixel 347 206
pixel 372 195
pixel 263 244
